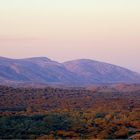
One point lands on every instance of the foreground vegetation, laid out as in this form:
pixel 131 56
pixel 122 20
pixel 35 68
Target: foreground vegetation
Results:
pixel 53 113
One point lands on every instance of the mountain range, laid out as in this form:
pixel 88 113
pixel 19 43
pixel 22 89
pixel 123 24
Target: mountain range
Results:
pixel 77 72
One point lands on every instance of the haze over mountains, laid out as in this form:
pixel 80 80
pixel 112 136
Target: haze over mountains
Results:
pixel 76 72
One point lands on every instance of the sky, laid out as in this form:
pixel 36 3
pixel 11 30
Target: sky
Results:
pixel 103 30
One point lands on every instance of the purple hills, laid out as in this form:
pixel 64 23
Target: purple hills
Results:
pixel 76 72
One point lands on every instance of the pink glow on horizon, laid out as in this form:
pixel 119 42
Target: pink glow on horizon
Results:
pixel 105 30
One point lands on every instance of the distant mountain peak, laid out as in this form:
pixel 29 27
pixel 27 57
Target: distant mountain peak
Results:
pixel 37 59
pixel 77 72
pixel 81 61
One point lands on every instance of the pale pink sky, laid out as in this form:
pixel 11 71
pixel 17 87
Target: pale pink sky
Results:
pixel 105 30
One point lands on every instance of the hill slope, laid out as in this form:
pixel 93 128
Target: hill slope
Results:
pixel 39 70
pixel 78 72
pixel 99 72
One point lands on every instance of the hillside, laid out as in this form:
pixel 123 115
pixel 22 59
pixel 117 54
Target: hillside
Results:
pixel 77 72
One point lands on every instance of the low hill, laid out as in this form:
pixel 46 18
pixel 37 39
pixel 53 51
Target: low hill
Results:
pixel 77 72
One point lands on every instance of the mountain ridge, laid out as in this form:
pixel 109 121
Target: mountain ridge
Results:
pixel 80 71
